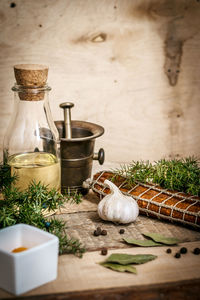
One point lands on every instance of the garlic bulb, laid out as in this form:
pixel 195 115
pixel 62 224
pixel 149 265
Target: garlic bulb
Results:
pixel 117 207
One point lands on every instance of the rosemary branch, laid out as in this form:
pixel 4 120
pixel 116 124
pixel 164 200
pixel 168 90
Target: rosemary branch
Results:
pixel 28 207
pixel 178 174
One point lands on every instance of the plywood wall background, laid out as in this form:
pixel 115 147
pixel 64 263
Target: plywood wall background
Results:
pixel 132 66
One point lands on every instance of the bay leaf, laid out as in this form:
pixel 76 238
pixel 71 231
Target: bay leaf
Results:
pixel 126 259
pixel 156 237
pixel 119 268
pixel 142 243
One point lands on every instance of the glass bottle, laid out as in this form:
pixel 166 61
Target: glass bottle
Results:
pixel 30 145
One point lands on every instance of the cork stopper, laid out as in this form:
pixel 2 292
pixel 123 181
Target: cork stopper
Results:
pixel 32 77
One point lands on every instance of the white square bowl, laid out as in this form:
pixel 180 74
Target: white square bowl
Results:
pixel 23 271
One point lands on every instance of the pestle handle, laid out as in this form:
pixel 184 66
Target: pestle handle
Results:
pixel 67 118
pixel 66 105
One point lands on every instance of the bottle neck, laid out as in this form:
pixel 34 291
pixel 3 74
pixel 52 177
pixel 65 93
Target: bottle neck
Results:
pixel 31 93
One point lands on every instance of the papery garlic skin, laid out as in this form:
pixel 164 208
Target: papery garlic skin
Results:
pixel 117 207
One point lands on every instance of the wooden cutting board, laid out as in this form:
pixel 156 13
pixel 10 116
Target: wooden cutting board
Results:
pixel 85 279
pixel 79 275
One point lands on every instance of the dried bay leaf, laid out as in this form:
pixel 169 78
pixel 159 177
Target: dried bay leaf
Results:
pixel 156 237
pixel 119 268
pixel 126 259
pixel 142 243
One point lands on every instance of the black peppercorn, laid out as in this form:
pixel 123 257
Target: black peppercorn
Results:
pixel 169 250
pixel 104 232
pixel 196 251
pixel 183 250
pixel 12 4
pixel 121 231
pixel 177 255
pixel 96 233
pixel 104 251
pixel 98 230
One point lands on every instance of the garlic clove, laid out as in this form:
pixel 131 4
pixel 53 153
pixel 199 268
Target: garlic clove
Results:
pixel 102 209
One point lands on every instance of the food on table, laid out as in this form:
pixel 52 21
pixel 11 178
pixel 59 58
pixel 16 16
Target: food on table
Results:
pixel 117 207
pixel 153 200
pixel 19 249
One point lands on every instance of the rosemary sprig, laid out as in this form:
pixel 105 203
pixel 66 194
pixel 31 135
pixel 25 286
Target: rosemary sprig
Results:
pixel 28 206
pixel 136 171
pixel 67 245
pixel 73 197
pixel 5 177
pixel 178 174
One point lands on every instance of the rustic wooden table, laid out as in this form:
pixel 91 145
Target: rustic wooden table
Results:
pixel 83 278
pixel 164 278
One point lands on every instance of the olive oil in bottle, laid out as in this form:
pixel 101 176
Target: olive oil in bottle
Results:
pixel 31 143
pixel 38 166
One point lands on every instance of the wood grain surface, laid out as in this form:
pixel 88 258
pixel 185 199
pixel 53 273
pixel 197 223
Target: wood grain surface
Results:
pixel 165 278
pixel 130 66
pixel 79 275
pixel 181 290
